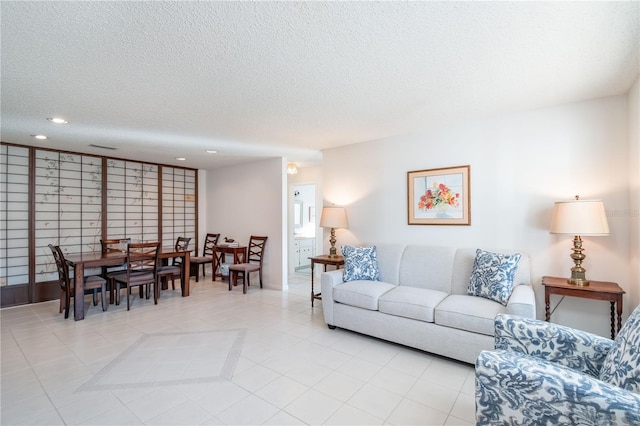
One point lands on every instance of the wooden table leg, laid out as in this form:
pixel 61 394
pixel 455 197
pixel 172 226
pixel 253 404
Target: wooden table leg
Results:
pixel 312 265
pixel 613 320
pixel 619 311
pixel 78 300
pixel 186 274
pixel 547 311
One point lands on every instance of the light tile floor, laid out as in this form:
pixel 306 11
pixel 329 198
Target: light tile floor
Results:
pixel 218 357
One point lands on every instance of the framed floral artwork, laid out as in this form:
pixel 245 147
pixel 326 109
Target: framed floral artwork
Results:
pixel 439 196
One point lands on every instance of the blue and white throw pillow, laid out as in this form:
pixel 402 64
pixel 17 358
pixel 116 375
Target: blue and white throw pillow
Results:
pixel 621 366
pixel 360 263
pixel 492 275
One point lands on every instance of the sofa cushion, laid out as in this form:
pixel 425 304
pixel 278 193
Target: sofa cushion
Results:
pixel 360 263
pixel 469 313
pixel 492 275
pixel 361 294
pixel 621 366
pixel 411 302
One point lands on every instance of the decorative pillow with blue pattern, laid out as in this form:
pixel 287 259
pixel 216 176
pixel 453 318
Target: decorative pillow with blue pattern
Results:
pixel 621 367
pixel 360 263
pixel 492 275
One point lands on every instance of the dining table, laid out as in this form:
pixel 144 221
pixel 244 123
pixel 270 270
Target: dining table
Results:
pixel 96 259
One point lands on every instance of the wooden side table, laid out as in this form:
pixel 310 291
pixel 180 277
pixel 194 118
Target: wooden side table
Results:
pixel 220 251
pixel 596 290
pixel 325 260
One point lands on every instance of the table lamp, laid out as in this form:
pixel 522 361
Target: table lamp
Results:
pixel 579 217
pixel 333 217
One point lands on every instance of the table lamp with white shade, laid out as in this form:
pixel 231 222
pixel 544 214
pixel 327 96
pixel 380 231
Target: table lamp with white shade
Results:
pixel 579 217
pixel 333 217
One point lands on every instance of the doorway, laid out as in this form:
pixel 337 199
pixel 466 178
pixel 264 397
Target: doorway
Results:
pixel 303 226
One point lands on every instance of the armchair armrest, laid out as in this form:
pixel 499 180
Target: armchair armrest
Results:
pixel 518 389
pixel 329 280
pixel 566 346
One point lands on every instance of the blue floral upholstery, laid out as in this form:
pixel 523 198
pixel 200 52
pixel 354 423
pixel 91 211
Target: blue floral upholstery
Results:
pixel 546 374
pixel 360 263
pixel 566 346
pixel 622 364
pixel 492 275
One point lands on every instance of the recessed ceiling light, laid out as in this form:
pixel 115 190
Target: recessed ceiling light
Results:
pixel 212 151
pixel 41 137
pixel 180 158
pixel 58 120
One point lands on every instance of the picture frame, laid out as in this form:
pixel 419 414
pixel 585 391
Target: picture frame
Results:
pixel 439 196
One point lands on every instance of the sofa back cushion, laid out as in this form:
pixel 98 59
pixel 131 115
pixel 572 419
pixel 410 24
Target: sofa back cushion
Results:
pixel 621 366
pixel 427 267
pixel 463 268
pixel 389 256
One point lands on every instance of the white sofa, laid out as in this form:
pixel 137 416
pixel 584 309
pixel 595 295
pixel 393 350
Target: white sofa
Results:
pixel 421 300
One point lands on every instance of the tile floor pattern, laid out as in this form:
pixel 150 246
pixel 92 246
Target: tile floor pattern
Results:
pixel 218 357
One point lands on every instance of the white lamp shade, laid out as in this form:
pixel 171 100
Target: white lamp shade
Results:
pixel 579 217
pixel 334 217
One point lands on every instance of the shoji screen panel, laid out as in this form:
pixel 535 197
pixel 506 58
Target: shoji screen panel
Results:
pixel 178 205
pixel 132 200
pixel 14 220
pixel 68 205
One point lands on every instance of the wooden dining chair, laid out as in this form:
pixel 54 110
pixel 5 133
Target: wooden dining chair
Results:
pixel 142 271
pixel 174 270
pixel 91 284
pixel 207 255
pixel 111 246
pixel 253 263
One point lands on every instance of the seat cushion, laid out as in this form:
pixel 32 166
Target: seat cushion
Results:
pixel 361 294
pixel 621 366
pixel 169 270
pixel 201 259
pixel 411 302
pixel 469 313
pixel 244 267
pixel 360 263
pixel 492 275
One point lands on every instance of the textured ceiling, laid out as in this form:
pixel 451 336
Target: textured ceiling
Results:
pixel 158 80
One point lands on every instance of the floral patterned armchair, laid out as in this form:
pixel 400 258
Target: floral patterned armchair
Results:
pixel 547 374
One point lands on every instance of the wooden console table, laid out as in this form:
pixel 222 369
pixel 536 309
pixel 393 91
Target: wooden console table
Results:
pixel 220 251
pixel 323 259
pixel 596 290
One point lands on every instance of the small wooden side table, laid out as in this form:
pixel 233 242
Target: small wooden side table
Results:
pixel 596 290
pixel 325 260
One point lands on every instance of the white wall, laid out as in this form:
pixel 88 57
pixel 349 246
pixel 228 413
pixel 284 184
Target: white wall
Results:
pixel 520 164
pixel 250 200
pixel 634 191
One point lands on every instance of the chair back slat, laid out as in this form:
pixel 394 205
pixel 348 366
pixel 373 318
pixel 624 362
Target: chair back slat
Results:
pixel 62 267
pixel 209 243
pixel 114 244
pixel 182 244
pixel 142 257
pixel 256 249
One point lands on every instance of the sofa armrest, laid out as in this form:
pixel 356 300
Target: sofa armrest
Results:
pixel 566 346
pixel 328 280
pixel 512 388
pixel 522 302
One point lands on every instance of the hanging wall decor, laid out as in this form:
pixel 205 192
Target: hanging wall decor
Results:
pixel 439 196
